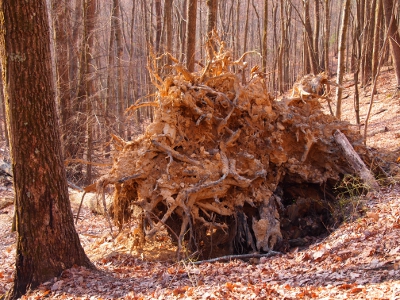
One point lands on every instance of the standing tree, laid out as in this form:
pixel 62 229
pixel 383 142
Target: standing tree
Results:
pixel 47 240
pixel 341 56
pixel 191 34
pixel 212 15
pixel 327 28
pixel 394 36
pixel 265 38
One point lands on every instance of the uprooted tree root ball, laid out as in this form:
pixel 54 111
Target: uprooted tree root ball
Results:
pixel 225 168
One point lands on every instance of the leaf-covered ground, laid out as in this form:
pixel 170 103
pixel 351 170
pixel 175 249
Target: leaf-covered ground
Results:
pixel 358 260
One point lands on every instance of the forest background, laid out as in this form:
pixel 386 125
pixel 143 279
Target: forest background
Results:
pixel 102 50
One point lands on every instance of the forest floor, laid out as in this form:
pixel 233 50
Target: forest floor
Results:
pixel 358 260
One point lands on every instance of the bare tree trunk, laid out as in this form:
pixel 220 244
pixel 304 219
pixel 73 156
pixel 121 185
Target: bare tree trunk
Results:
pixel 211 23
pixel 275 47
pixel 47 242
pixel 191 34
pixel 265 38
pixel 168 26
pixel 183 26
pixel 61 16
pixel 327 36
pixel 246 26
pixel 309 36
pixel 3 108
pixel 357 52
pixel 281 46
pixel 394 37
pixel 132 63
pixel 376 41
pixel 317 25
pixel 89 23
pixel 306 55
pixel 157 42
pixel 212 15
pixel 120 51
pixel 341 54
pixel 368 41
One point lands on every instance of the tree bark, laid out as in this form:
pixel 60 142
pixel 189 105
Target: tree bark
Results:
pixel 327 36
pixel 265 38
pixel 212 15
pixel 47 242
pixel 376 41
pixel 183 25
pixel 341 58
pixel 168 27
pixel 211 24
pixel 317 25
pixel 3 108
pixel 369 25
pixel 309 36
pixel 355 161
pixel 394 37
pixel 191 34
pixel 61 17
pixel 157 42
pixel 120 73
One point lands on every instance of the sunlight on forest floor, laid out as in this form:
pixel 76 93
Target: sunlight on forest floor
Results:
pixel 359 260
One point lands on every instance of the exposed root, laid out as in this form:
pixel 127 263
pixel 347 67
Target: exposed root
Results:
pixel 210 165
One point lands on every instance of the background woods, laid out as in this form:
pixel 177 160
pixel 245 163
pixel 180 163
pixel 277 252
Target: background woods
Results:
pixel 231 160
pixel 102 49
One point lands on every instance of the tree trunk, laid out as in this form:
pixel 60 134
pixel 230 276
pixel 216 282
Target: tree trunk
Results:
pixel 246 34
pixel 368 42
pixel 183 25
pixel 341 58
pixel 211 24
pixel 309 36
pixel 47 240
pixel 132 64
pixel 168 27
pixel 3 108
pixel 358 57
pixel 376 42
pixel 120 52
pixel 265 38
pixel 89 23
pixel 327 36
pixel 394 37
pixel 191 34
pixel 317 25
pixel 212 15
pixel 157 43
pixel 60 19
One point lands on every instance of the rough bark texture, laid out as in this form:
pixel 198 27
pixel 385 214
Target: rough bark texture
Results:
pixel 225 167
pixel 47 240
pixel 341 56
pixel 191 34
pixel 394 37
pixel 212 15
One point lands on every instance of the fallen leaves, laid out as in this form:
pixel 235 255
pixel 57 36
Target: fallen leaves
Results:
pixel 359 260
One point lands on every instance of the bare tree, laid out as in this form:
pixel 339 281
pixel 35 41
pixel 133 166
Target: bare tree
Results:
pixel 394 36
pixel 265 38
pixel 212 15
pixel 309 37
pixel 341 54
pixel 327 27
pixel 191 34
pixel 47 242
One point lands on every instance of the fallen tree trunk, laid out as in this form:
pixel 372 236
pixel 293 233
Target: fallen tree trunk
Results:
pixel 226 168
pixel 355 161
